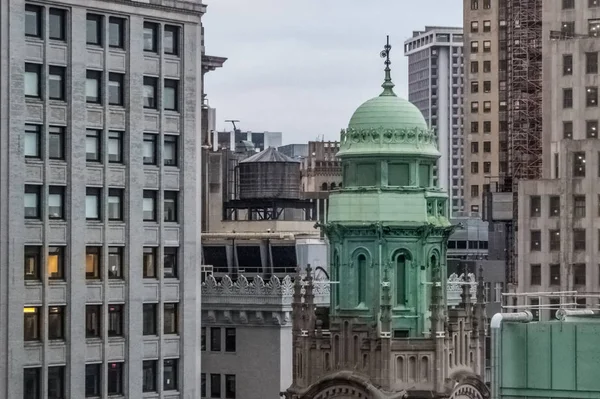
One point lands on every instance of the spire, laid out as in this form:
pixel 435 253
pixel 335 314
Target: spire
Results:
pixel 387 85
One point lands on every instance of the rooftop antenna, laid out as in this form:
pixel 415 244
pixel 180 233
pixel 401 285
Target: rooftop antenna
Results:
pixel 233 121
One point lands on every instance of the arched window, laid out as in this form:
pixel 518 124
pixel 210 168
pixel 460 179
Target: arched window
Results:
pixel 362 278
pixel 324 187
pixel 401 279
pixel 336 277
pixel 340 185
pixel 332 186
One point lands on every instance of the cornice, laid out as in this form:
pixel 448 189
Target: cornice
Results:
pixel 417 137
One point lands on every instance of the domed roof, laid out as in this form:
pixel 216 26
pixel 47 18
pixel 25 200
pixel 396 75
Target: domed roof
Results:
pixel 388 112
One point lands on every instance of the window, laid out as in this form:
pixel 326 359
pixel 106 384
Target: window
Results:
pixel 170 95
pixel 149 262
pixel 115 88
pixel 579 164
pixel 92 203
pixel 536 274
pixel 32 141
pixel 474 47
pixel 93 140
pixel 55 263
pixel 115 262
pixel 32 259
pixel 487 146
pixel 115 320
pixel 474 127
pixel 474 107
pixel 474 87
pixel 149 319
pixel 31 318
pixel 215 339
pixel 487 4
pixel 593 3
pixel 33 21
pixel 474 4
pixel 474 167
pixel 474 147
pixel 170 318
pixel 579 274
pixel 203 341
pixel 93 83
pixel 116 32
pixel 150 37
pixel 579 206
pixel 93 377
pixel 150 90
pixel 554 274
pixel 57 24
pixel 591 129
pixel 229 386
pixel 567 64
pixel 170 375
pixel 31 383
pixel 32 80
pixel 474 66
pixel 591 96
pixel 56 322
pixel 56 382
pixel 487 46
pixel 487 127
pixel 149 205
pixel 579 239
pixel 567 129
pixel 150 149
pixel 230 338
pixel 474 26
pixel 591 63
pixel 474 190
pixel 568 4
pixel 170 206
pixel 92 263
pixel 215 385
pixel 149 376
pixel 203 385
pixel 568 29
pixel 170 262
pixel 487 86
pixel 487 167
pixel 170 150
pixel 115 378
pixel 535 206
pixel 56 140
pixel 115 204
pixel 93 321
pixel 554 240
pixel 94 29
pixel 487 66
pixel 32 202
pixel 594 27
pixel 56 202
pixel 171 40
pixel 487 26
pixel 536 240
pixel 487 106
pixel 56 83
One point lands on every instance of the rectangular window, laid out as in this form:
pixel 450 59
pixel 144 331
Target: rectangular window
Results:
pixel 593 3
pixel 474 107
pixel 56 195
pixel 487 26
pixel 149 148
pixel 554 240
pixel 474 167
pixel 93 321
pixel 474 4
pixel 535 206
pixel 567 29
pixel 229 386
pixel 32 202
pixel 115 262
pixel 150 92
pixel 56 142
pixel 170 318
pixel 56 382
pixel 92 203
pixel 149 319
pixel 215 385
pixel 474 190
pixel 487 146
pixel 32 325
pixel 591 63
pixel 149 376
pixel 591 129
pixel 56 83
pixel 579 274
pixel 170 206
pixel 170 150
pixel 487 106
pixel 56 322
pixel 474 147
pixel 170 262
pixel 94 29
pixel 591 96
pixel 474 26
pixel 149 205
pixel 215 339
pixel 149 262
pixel 474 66
pixel 487 4
pixel 487 66
pixel 579 164
pixel 32 264
pixel 203 341
pixel 93 264
pixel 487 46
pixel 93 378
pixel 474 87
pixel 487 86
pixel 474 47
pixel 33 21
pixel 567 129
pixel 33 73
pixel 32 141
pixel 57 24
pixel 579 206
pixel 171 40
pixel 487 127
pixel 115 204
pixel 579 239
pixel 536 274
pixel 555 274
pixel 203 385
pixel 31 383
pixel 567 64
pixel 115 320
pixel 56 263
pixel 535 240
pixel 115 146
pixel 230 340
pixel 116 32
pixel 170 375
pixel 93 83
pixel 594 27
pixel 487 167
pixel 115 88
pixel 474 127
pixel 150 37
pixel 115 379
pixel 171 95
pixel 568 4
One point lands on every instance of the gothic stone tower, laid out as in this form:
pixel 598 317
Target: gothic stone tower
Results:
pixel 391 334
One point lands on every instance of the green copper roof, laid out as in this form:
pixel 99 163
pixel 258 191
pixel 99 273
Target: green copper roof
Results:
pixel 389 112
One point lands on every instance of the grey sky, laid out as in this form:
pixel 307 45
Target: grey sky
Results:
pixel 302 67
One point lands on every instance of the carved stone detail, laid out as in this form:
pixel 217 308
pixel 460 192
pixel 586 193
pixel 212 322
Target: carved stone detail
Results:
pixel 418 137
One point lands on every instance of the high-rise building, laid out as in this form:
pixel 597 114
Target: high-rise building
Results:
pixel 435 86
pixel 100 113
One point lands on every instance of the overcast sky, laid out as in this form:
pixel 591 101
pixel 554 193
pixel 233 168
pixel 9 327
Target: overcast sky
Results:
pixel 302 67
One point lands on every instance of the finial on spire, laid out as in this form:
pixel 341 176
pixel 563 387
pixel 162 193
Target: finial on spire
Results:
pixel 387 85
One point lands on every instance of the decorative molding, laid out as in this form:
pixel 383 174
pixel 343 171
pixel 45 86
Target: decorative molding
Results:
pixel 420 138
pixel 454 287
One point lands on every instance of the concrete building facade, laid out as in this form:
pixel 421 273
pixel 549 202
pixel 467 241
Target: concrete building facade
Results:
pixel 261 140
pixel 100 112
pixel 435 86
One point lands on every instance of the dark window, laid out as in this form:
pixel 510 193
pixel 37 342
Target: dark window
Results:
pixel 115 320
pixel 32 325
pixel 56 322
pixel 474 127
pixel 567 64
pixel 474 47
pixel 594 27
pixel 33 73
pixel 93 321
pixel 56 263
pixel 32 202
pixel 487 106
pixel 149 205
pixel 591 96
pixel 170 262
pixel 555 274
pixel 591 129
pixel 93 378
pixel 92 203
pixel 535 206
pixel 170 95
pixel 579 206
pixel 487 26
pixel 56 83
pixel 487 66
pixel 33 20
pixel 229 386
pixel 215 255
pixel 579 239
pixel 32 141
pixel 215 339
pixel 31 383
pixel 115 378
pixel 487 86
pixel 115 88
pixel 150 148
pixel 487 168
pixel 149 376
pixel 56 382
pixel 579 164
pixel 149 319
pixel 170 318
pixel 203 341
pixel 94 29
pixel 474 107
pixel 203 385
pixel 536 240
pixel 474 26
pixel 579 274
pixel 474 191
pixel 33 258
pixel 536 274
pixel 149 262
pixel 115 204
pixel 474 66
pixel 115 262
pixel 170 206
pixel 568 4
pixel 56 142
pixel 554 240
pixel 230 340
pixel 474 4
pixel 249 258
pixel 567 28
pixel 487 146
pixel 56 202
pixel 593 3
pixel 474 167
pixel 215 385
pixel 567 129
pixel 474 87
pixel 171 40
pixel 284 258
pixel 57 24
pixel 116 32
pixel 93 83
pixel 93 263
pixel 150 90
pixel 591 63
pixel 170 150
pixel 150 36
pixel 487 46
pixel 170 375
pixel 487 4
pixel 93 140
pixel 474 147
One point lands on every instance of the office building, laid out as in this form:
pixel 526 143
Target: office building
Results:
pixel 297 151
pixel 261 140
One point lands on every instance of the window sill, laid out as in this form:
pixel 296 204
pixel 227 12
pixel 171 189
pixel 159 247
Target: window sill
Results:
pixel 33 283
pixel 34 160
pixel 116 340
pixel 93 281
pixel 33 344
pixel 56 282
pixel 34 100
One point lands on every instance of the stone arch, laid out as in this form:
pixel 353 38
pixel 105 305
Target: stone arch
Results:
pixel 361 257
pixel 412 369
pixel 342 385
pixel 400 368
pixel 324 187
pixel 433 259
pixel 424 369
pixel 401 260
pixel 332 186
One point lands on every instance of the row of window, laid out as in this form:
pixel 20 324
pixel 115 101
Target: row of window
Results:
pixel 487 66
pixel 487 147
pixel 55 263
pixel 487 86
pixel 579 241
pixel 487 45
pixel 215 388
pixel 487 167
pixel 591 97
pixel 487 26
pixel 567 28
pixel 57 21
pixel 578 271
pixel 591 129
pixel 591 63
pixel 487 126
pixel 570 4
pixel 216 339
pixel 579 206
